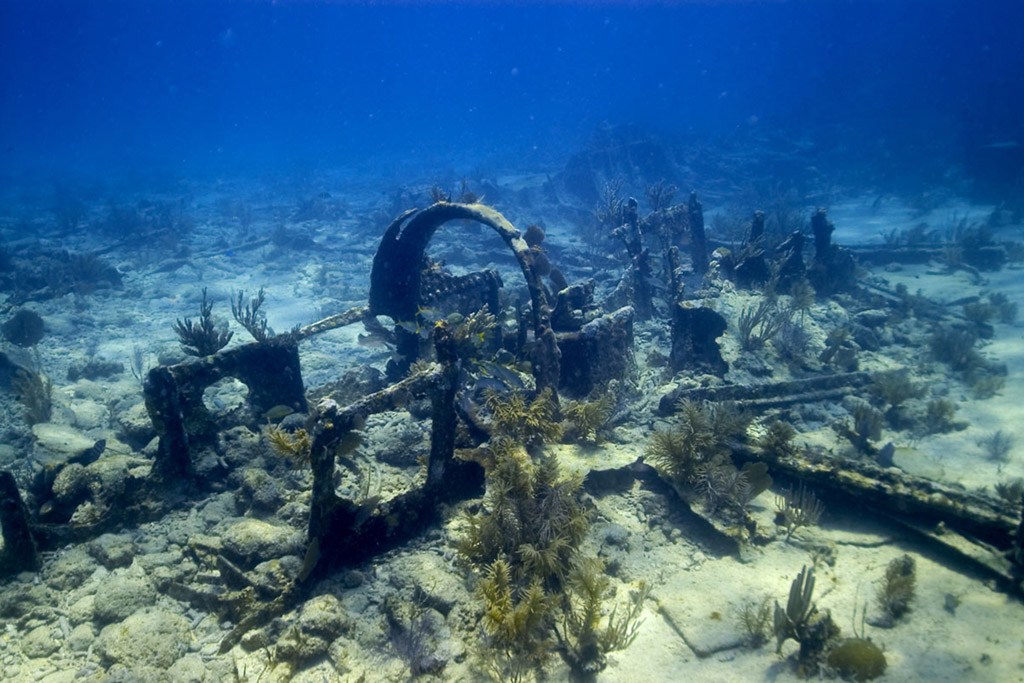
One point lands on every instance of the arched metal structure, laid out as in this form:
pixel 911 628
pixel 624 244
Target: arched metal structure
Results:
pixel 396 278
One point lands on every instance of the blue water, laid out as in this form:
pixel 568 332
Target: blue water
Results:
pixel 234 88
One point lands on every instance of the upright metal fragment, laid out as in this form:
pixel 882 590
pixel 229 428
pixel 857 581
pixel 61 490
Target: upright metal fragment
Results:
pixel 19 548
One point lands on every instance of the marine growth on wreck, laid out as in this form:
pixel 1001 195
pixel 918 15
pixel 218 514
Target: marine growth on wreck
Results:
pixel 636 413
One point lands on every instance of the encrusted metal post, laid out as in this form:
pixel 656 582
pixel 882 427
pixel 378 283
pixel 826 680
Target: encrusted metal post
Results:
pixel 19 549
pixel 164 404
pixel 698 239
pixel 443 420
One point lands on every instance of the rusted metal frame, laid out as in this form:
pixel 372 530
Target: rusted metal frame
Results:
pixel 344 531
pixel 271 370
pixel 174 396
pixel 698 238
pixel 956 522
pixel 891 489
pixel 333 422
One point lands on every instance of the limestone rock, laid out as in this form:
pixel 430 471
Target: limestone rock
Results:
pixel 154 638
pixel 135 427
pixel 90 415
pixel 188 669
pixel 258 492
pixel 252 540
pixel 324 616
pixel 39 642
pixel 81 611
pixel 81 638
pixel 71 485
pixel 59 439
pixel 113 550
pixel 122 596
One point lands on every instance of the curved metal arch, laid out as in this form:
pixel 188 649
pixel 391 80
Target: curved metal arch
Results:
pixel 395 279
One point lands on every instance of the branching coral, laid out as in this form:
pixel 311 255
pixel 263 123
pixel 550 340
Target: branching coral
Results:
pixel 756 617
pixel 797 508
pixel 939 416
pixel 35 393
pixel 588 418
pixel 801 297
pixel 759 324
pixel 515 624
pixel 955 347
pixel 1006 310
pixel 693 453
pixel 792 341
pixel 660 195
pixel 608 211
pixel 202 337
pixel 777 440
pixel 997 445
pixel 1011 493
pixel 720 484
pixel 532 516
pixel 474 333
pixel 250 316
pixel 894 388
pixel 701 431
pixel 295 445
pixel 866 427
pixel 588 636
pixel 526 537
pixel 527 421
pixel 801 621
pixel 792 621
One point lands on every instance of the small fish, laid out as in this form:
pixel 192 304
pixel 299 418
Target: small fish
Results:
pixel 655 283
pixel 509 378
pixel 429 314
pixel 278 412
pixel 490 383
pixel 422 331
pixel 410 327
pixel 310 560
pixel 371 341
pixel 89 455
pixel 349 442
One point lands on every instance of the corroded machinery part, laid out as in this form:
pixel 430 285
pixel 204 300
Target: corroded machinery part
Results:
pixel 396 278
